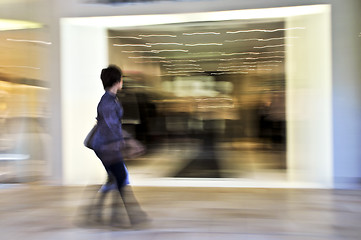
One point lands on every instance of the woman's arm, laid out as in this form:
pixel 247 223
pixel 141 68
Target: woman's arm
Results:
pixel 111 117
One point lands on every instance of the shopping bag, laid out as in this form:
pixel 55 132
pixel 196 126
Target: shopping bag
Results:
pixel 132 148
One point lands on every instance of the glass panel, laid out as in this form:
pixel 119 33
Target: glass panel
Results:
pixel 206 98
pixel 24 111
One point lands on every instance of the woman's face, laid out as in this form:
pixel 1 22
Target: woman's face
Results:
pixel 120 86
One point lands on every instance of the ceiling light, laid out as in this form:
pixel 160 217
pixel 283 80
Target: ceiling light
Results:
pixel 8 24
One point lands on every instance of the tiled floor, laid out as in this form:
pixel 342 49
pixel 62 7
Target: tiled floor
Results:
pixel 44 212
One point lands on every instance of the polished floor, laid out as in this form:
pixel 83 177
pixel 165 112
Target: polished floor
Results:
pixel 37 211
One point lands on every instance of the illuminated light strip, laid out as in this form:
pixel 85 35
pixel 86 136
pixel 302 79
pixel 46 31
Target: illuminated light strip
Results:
pixel 181 60
pixel 185 64
pixel 180 44
pixel 249 62
pixel 201 33
pixel 157 51
pixel 4 156
pixel 275 52
pixel 187 68
pixel 131 45
pixel 170 50
pixel 172 74
pixel 244 53
pixel 227 64
pixel 273 46
pixel 157 35
pixel 270 65
pixel 182 67
pixel 271 39
pixel 148 57
pixel 204 44
pixel 241 53
pixel 204 53
pixel 8 24
pixel 223 73
pixel 150 51
pixel 270 61
pixel 271 57
pixel 259 39
pixel 241 66
pixel 248 58
pixel 236 68
pixel 252 53
pixel 15 66
pixel 230 67
pixel 243 40
pixel 121 37
pixel 156 19
pixel 30 41
pixel 264 30
pixel 232 59
pixel 207 60
pixel 185 71
pixel 237 72
pixel 153 61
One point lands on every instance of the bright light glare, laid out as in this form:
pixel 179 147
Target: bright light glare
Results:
pixel 8 24
pixel 143 20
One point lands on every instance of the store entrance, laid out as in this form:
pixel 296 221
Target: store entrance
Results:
pixel 210 97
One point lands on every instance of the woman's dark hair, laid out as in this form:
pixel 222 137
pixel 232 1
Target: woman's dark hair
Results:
pixel 110 75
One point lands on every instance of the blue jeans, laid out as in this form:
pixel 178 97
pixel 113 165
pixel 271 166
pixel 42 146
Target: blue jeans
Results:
pixel 114 165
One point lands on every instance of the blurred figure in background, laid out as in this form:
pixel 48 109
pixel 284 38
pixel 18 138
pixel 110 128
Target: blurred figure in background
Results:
pixel 277 120
pixel 108 141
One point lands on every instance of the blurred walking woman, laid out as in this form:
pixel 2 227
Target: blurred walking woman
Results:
pixel 108 139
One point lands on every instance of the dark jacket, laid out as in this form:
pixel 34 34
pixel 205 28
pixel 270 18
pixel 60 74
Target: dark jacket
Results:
pixel 109 136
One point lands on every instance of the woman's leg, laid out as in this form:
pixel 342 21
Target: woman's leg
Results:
pixel 118 172
pixel 114 165
pixel 135 213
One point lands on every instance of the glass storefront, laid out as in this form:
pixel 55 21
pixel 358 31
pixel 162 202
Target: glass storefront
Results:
pixel 222 95
pixel 209 94
pixel 24 110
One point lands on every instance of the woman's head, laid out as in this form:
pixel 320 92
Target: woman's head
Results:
pixel 110 76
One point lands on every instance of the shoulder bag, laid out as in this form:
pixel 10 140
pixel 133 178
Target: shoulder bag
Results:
pixel 88 141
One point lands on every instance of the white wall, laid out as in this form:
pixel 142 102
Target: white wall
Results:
pixel 309 98
pixel 346 27
pixel 83 55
